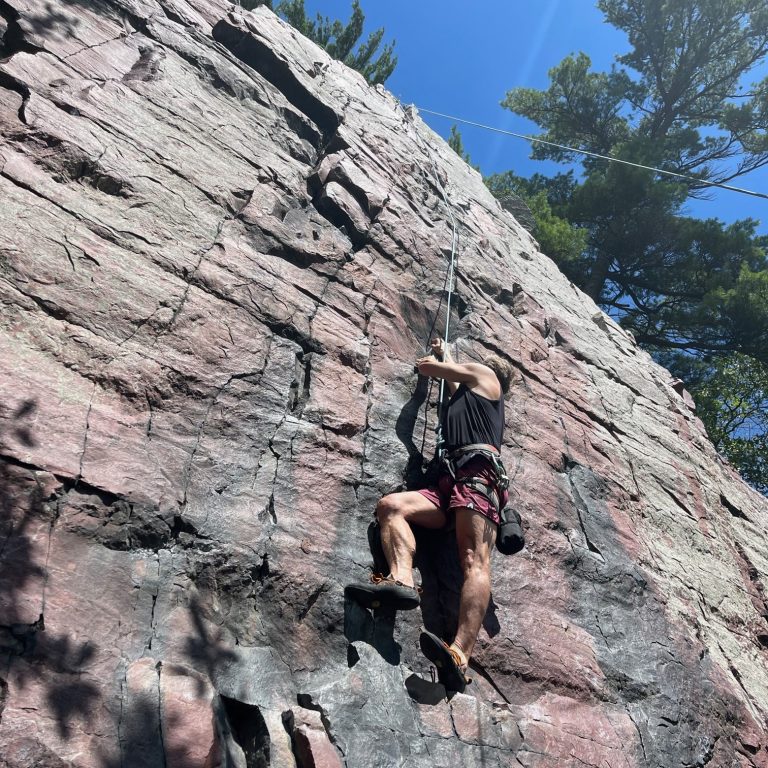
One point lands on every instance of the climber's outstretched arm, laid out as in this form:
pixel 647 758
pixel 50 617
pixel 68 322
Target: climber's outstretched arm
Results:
pixel 450 371
pixel 479 378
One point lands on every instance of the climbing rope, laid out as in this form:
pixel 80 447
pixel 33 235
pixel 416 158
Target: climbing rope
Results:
pixel 535 140
pixel 449 282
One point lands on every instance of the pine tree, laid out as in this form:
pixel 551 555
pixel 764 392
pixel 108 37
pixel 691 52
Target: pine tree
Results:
pixel 342 41
pixel 688 289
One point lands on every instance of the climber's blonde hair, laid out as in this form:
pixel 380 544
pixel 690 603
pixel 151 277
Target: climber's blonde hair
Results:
pixel 502 369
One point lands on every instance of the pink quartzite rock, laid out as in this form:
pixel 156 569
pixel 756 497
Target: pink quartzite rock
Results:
pixel 311 743
pixel 314 750
pixel 221 252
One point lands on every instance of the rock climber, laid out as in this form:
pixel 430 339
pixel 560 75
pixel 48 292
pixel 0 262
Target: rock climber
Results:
pixel 471 490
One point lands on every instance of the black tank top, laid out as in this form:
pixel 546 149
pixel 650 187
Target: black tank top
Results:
pixel 471 418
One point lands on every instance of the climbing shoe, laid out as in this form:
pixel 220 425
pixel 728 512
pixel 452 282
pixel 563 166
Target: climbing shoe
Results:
pixel 384 592
pixel 450 669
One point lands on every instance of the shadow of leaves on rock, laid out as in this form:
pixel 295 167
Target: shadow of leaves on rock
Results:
pixel 30 654
pixel 72 700
pixel 21 505
pixel 142 742
pixel 68 695
pixel 52 17
pixel 206 649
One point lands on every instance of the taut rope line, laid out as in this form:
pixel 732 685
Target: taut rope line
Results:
pixel 596 155
pixel 450 278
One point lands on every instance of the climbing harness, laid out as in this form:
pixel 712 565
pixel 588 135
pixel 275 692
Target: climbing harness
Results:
pixel 458 458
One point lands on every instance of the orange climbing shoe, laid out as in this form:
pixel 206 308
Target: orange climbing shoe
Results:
pixel 449 665
pixel 384 592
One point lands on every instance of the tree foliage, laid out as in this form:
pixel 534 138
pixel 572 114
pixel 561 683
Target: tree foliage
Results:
pixel 456 143
pixel 678 100
pixel 342 41
pixel 677 110
pixel 731 395
pixel 558 238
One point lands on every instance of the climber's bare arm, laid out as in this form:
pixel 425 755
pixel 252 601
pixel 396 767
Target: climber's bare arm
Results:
pixel 479 378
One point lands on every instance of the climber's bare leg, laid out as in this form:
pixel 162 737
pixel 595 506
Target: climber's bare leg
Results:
pixel 395 513
pixel 475 536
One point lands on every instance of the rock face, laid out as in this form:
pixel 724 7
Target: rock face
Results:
pixel 221 252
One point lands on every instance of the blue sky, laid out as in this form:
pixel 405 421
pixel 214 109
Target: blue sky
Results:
pixel 461 58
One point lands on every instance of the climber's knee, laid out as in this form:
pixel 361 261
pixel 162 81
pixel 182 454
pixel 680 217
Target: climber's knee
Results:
pixel 411 506
pixel 388 507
